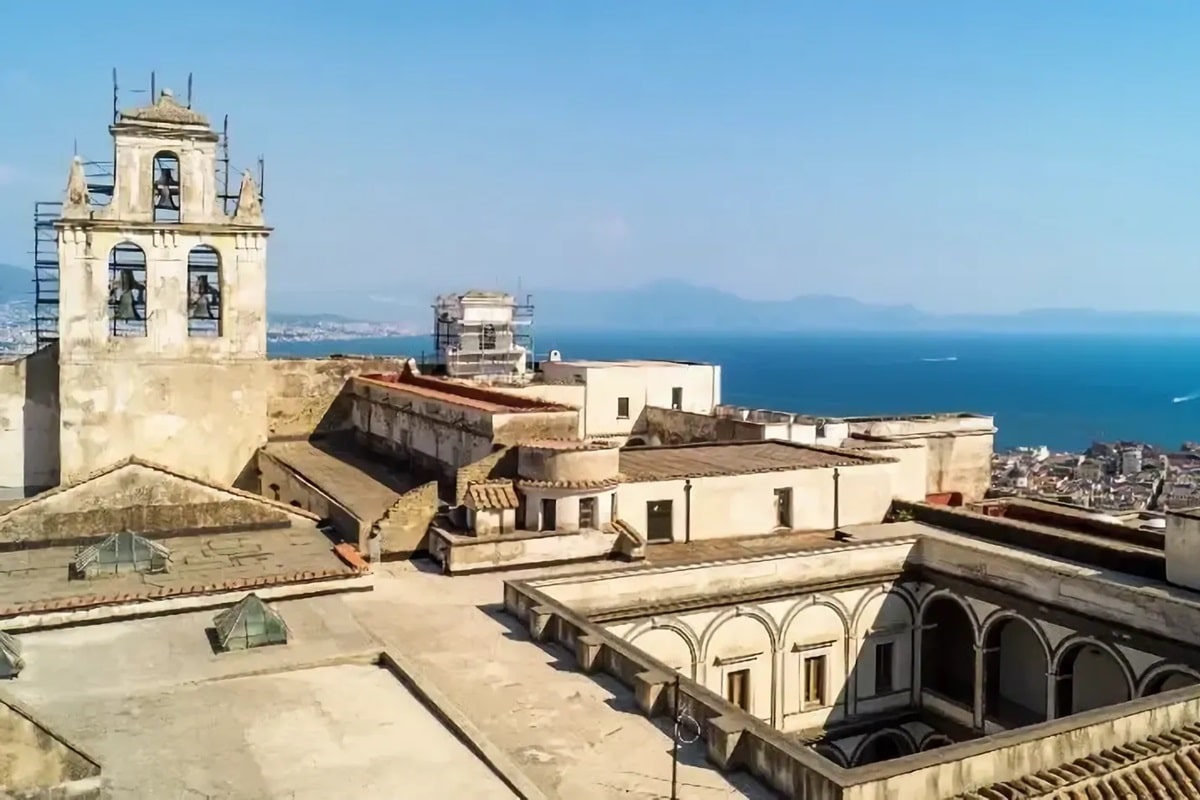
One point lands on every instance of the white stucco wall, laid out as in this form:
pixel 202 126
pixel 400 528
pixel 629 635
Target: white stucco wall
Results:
pixel 29 423
pixel 643 383
pixel 738 505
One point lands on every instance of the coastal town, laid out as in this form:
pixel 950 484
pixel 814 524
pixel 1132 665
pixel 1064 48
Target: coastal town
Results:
pixel 1108 476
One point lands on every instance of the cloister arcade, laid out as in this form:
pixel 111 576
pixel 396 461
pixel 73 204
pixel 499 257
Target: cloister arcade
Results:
pixel 983 667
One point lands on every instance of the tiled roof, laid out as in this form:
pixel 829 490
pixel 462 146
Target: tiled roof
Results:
pixel 492 495
pixel 1163 767
pixel 599 483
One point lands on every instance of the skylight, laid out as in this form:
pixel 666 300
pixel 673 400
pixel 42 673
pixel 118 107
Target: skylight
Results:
pixel 250 623
pixel 120 553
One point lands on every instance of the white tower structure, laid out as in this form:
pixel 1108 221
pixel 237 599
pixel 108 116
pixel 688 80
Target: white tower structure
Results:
pixel 482 335
pixel 162 306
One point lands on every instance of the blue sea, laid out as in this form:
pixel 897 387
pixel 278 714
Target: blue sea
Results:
pixel 1060 391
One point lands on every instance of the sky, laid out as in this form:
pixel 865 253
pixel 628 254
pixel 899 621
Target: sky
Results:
pixel 958 156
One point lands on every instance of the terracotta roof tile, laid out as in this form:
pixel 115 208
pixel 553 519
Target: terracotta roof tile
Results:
pixel 1165 767
pixel 492 495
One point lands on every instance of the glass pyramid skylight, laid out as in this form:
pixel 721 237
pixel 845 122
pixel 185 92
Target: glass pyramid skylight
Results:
pixel 250 623
pixel 121 553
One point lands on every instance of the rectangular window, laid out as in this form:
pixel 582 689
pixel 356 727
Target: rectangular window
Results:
pixel 814 681
pixel 677 398
pixel 885 653
pixel 659 524
pixel 587 513
pixel 549 515
pixel 737 688
pixel 622 408
pixel 783 508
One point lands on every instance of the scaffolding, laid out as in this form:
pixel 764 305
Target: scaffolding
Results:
pixel 101 178
pixel 485 335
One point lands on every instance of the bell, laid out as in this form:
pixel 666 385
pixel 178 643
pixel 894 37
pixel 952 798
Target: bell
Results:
pixel 166 190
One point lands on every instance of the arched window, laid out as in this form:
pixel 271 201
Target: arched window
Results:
pixel 204 291
pixel 165 183
pixel 127 290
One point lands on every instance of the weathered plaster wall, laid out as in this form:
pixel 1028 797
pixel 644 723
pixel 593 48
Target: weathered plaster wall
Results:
pixel 738 505
pixel 140 499
pixel 29 422
pixel 311 395
pixel 671 426
pixel 198 404
pixel 279 482
pixel 959 448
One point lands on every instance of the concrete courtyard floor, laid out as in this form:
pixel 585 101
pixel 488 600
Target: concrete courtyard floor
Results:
pixel 577 736
pixel 167 717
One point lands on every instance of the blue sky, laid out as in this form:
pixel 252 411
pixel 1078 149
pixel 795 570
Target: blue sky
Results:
pixel 955 155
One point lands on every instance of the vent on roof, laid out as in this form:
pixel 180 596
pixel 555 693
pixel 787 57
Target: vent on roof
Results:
pixel 11 662
pixel 250 623
pixel 121 553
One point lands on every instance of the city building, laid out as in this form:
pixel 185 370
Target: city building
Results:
pixel 483 335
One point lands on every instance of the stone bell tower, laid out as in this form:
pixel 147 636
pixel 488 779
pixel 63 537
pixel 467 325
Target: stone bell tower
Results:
pixel 162 306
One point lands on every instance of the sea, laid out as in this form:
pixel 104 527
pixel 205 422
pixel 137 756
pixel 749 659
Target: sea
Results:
pixel 1063 392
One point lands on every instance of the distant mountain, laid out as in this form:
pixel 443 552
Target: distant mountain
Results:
pixel 16 283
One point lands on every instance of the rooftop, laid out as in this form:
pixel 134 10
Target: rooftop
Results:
pixel 36 580
pixel 459 394
pixel 584 363
pixel 711 459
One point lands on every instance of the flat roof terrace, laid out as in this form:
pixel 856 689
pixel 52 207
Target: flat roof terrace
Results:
pixel 712 459
pixel 585 363
pixel 36 580
pixel 478 398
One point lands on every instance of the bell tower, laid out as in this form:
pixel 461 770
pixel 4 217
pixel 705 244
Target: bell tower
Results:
pixel 162 327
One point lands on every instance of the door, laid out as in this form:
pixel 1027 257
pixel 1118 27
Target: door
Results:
pixel 549 515
pixel 737 688
pixel 659 525
pixel 587 513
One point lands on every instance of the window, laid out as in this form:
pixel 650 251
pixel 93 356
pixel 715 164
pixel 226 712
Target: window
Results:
pixel 122 552
pixel 549 515
pixel 127 290
pixel 677 398
pixel 488 339
pixel 659 524
pixel 204 291
pixel 884 662
pixel 737 688
pixel 612 511
pixel 622 408
pixel 166 187
pixel 274 487
pixel 587 512
pixel 814 681
pixel 783 508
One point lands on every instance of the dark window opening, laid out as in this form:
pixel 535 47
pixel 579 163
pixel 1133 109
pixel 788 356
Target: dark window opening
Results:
pixel 274 487
pixel 783 508
pixel 884 663
pixel 166 187
pixel 204 291
pixel 488 339
pixel 622 408
pixel 659 525
pixel 612 511
pixel 549 515
pixel 127 290
pixel 948 651
pixel 677 398
pixel 737 688
pixel 814 681
pixel 587 513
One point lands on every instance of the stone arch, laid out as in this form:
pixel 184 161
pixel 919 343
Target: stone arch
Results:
pixel 949 632
pixel 1109 681
pixel 127 290
pixel 832 753
pixel 166 187
pixel 1017 658
pixel 753 612
pixel 976 625
pixel 672 626
pixel 935 740
pixel 894 590
pixel 1165 677
pixel 801 605
pixel 204 291
pixel 883 745
pixel 737 651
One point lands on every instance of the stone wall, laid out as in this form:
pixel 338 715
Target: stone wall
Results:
pixel 311 395
pixel 135 498
pixel 29 419
pixel 404 528
pixel 278 482
pixel 500 464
